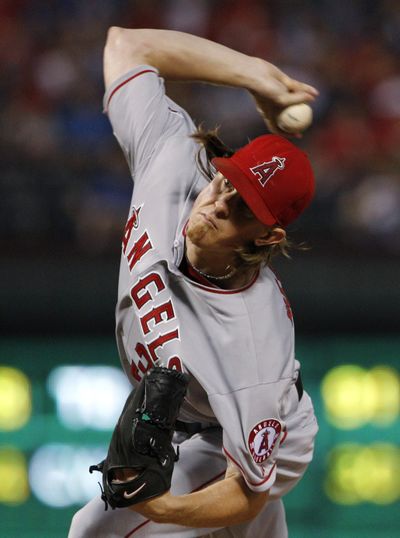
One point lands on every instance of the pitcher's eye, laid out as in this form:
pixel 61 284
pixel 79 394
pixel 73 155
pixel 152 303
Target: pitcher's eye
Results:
pixel 227 184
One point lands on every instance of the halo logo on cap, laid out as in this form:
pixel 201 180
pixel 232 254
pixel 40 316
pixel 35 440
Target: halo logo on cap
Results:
pixel 266 170
pixel 273 176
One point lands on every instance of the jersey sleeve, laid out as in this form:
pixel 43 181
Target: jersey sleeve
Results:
pixel 142 115
pixel 252 431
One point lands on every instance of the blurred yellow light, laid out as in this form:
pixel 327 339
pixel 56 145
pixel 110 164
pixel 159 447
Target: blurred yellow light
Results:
pixel 364 472
pixel 386 381
pixel 354 396
pixel 357 474
pixel 344 395
pixel 339 482
pixel 378 473
pixel 15 399
pixel 14 488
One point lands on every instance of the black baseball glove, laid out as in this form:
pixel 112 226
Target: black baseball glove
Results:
pixel 141 457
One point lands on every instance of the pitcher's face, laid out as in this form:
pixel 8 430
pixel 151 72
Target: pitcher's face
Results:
pixel 221 219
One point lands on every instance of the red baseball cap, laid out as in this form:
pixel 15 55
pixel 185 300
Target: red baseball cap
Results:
pixel 273 176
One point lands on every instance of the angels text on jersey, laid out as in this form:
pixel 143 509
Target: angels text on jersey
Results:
pixel 144 290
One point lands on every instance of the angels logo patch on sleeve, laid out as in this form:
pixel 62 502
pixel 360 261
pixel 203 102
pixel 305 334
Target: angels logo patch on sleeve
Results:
pixel 262 439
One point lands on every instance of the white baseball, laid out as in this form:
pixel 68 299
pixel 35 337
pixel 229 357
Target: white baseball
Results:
pixel 295 118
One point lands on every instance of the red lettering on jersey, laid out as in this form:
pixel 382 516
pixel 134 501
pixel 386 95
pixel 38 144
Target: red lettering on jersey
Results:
pixel 160 341
pixel 132 222
pixel 174 363
pixel 266 170
pixel 142 367
pixel 139 249
pixel 144 291
pixel 156 314
pixel 286 300
pixel 148 357
pixel 142 284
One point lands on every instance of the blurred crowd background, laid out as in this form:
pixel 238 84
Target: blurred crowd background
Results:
pixel 65 188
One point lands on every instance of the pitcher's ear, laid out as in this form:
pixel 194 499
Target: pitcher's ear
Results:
pixel 271 237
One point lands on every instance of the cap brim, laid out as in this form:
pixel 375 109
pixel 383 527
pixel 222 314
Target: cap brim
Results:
pixel 245 188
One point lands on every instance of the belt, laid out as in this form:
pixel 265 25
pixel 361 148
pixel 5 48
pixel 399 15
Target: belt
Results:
pixel 190 427
pixel 299 386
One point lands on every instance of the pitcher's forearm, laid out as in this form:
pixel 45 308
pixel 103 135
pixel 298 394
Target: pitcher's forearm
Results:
pixel 181 56
pixel 225 503
pixel 228 502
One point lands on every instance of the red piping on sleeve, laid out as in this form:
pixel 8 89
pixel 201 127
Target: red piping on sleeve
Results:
pixel 283 437
pixel 242 470
pixel 126 81
pixel 137 528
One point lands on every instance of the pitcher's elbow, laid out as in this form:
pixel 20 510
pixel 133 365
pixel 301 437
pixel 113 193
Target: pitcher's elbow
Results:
pixel 125 41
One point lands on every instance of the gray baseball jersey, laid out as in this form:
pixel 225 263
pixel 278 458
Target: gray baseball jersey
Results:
pixel 237 345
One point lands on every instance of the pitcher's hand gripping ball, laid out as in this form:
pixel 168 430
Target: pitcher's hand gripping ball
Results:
pixel 295 118
pixel 141 457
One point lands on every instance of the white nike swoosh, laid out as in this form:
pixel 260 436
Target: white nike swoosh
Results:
pixel 130 495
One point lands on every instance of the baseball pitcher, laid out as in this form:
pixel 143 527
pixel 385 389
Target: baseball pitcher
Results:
pixel 217 428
